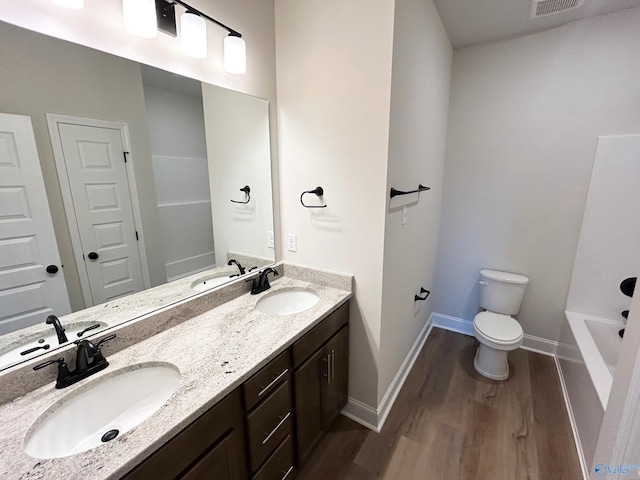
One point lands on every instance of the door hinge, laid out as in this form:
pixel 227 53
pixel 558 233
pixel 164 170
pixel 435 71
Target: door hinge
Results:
pixel 124 154
pixel 137 239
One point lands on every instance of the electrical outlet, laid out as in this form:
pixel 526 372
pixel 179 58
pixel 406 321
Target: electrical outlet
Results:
pixel 270 243
pixel 404 215
pixel 292 242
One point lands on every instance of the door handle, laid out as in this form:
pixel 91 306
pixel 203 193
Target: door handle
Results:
pixel 52 269
pixel 93 256
pixel 333 364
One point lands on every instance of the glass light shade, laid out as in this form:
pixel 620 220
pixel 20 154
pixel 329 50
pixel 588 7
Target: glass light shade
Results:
pixel 75 4
pixel 193 35
pixel 235 55
pixel 140 17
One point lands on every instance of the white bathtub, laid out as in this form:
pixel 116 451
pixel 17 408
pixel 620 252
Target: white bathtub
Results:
pixel 599 344
pixel 587 355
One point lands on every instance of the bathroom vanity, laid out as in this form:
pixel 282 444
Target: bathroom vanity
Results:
pixel 256 393
pixel 262 411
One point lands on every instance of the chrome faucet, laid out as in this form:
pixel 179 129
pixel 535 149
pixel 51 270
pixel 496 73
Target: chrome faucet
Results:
pixel 237 263
pixel 53 320
pixel 89 360
pixel 261 282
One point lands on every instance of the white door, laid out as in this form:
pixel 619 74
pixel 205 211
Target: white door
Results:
pixel 28 293
pixel 95 165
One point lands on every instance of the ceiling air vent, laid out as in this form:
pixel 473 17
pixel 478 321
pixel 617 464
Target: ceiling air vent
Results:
pixel 549 7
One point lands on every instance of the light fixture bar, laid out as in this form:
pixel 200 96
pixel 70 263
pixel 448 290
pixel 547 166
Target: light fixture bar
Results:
pixel 194 40
pixel 163 5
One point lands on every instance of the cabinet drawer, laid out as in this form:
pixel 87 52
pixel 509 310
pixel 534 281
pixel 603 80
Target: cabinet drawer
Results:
pixel 266 380
pixel 279 466
pixel 170 460
pixel 318 336
pixel 268 424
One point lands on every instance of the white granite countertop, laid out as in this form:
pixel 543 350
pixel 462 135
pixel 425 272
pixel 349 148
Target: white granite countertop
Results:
pixel 215 353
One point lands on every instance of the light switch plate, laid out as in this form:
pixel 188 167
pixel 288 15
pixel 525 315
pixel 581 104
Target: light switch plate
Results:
pixel 404 215
pixel 270 243
pixel 292 242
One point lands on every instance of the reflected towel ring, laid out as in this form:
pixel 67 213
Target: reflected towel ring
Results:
pixel 246 189
pixel 319 191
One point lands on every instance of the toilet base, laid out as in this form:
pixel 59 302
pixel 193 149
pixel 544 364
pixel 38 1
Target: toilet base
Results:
pixel 492 363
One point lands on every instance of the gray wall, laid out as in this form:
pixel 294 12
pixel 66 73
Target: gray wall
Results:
pixel 333 114
pixel 44 75
pixel 524 119
pixel 422 56
pixel 179 156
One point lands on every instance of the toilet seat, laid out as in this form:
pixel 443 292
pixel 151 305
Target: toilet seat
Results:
pixel 499 331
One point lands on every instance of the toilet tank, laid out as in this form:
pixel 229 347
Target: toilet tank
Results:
pixel 502 292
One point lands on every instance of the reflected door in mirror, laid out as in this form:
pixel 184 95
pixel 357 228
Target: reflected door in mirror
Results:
pixel 101 203
pixel 28 292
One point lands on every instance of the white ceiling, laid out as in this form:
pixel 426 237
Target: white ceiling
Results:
pixel 470 22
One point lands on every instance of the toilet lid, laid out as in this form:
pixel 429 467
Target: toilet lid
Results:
pixel 502 328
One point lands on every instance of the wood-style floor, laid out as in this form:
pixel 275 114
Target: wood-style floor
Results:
pixel 449 422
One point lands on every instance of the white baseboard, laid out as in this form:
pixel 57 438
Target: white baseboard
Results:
pixel 460 325
pixel 540 345
pixel 374 418
pixel 572 420
pixel 453 324
pixel 396 384
pixel 361 413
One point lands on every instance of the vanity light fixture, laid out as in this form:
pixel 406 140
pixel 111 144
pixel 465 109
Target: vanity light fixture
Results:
pixel 140 17
pixel 193 34
pixel 74 4
pixel 235 54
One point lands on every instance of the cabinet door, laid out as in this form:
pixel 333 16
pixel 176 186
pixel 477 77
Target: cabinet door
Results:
pixel 195 442
pixel 226 460
pixel 308 380
pixel 335 389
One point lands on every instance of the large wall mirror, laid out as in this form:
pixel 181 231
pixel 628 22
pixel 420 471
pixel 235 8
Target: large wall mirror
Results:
pixel 123 189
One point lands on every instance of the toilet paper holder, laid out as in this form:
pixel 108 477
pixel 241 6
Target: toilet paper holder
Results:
pixel 418 298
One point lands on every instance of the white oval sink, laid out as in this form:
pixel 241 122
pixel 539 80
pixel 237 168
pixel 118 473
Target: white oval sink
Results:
pixel 287 301
pixel 209 283
pixel 79 421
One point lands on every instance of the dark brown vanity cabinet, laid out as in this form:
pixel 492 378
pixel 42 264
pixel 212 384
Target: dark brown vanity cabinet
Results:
pixel 320 380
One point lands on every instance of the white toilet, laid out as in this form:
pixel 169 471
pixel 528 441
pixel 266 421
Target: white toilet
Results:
pixel 497 331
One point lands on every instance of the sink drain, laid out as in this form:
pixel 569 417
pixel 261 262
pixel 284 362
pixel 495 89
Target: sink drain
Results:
pixel 110 435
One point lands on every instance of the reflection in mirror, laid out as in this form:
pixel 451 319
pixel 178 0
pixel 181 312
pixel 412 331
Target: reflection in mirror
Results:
pixel 117 178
